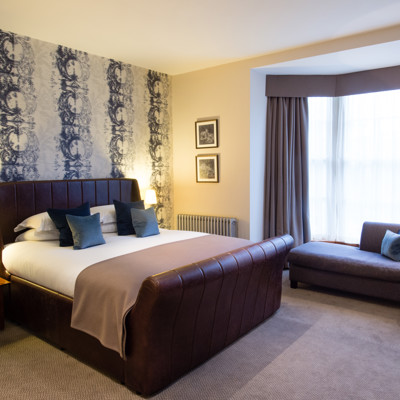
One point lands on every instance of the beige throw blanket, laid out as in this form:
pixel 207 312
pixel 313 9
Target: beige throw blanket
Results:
pixel 106 291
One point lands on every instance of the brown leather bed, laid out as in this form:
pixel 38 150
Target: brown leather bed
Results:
pixel 181 317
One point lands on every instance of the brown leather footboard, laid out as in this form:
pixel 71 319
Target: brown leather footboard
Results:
pixel 181 317
pixel 185 316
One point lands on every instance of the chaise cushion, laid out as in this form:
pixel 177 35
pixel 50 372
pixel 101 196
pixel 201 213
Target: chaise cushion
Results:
pixel 344 259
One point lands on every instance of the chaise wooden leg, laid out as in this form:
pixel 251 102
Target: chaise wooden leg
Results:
pixel 293 284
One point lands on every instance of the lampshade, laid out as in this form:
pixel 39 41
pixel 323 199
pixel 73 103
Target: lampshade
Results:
pixel 150 197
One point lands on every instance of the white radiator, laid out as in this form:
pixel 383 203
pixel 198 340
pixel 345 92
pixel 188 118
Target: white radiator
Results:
pixel 203 223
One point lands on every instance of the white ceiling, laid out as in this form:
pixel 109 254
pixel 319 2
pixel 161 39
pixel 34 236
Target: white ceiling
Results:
pixel 343 62
pixel 178 36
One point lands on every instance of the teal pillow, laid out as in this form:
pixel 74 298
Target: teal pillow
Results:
pixel 391 245
pixel 123 214
pixel 86 231
pixel 58 217
pixel 145 222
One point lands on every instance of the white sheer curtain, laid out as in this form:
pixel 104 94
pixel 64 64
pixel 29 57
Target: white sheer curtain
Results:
pixel 354 163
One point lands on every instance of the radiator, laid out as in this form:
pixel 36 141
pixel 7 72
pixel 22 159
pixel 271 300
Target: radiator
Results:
pixel 203 223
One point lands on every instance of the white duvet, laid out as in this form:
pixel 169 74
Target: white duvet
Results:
pixel 47 264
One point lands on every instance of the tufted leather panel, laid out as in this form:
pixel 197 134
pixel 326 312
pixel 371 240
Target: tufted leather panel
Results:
pixel 19 200
pixel 184 316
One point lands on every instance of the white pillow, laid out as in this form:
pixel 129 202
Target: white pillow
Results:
pixel 107 213
pixel 41 222
pixel 109 228
pixel 34 234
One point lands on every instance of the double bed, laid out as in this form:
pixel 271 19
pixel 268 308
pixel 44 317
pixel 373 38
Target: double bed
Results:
pixel 187 307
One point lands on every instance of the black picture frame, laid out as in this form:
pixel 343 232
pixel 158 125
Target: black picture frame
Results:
pixel 206 134
pixel 207 168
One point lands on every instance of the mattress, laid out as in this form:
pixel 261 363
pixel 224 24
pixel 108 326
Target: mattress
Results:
pixel 57 268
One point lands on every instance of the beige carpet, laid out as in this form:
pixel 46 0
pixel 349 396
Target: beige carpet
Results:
pixel 319 345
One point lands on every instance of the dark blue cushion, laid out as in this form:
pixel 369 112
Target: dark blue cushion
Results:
pixel 145 222
pixel 86 231
pixel 391 245
pixel 58 217
pixel 123 213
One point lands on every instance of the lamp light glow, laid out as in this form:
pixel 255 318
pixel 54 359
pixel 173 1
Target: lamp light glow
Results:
pixel 150 197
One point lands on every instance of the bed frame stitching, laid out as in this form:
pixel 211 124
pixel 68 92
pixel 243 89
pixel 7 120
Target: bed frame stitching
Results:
pixel 266 297
pixel 245 296
pixel 233 294
pixel 174 325
pixel 51 194
pixel 34 197
pixel 197 313
pixel 276 253
pixel 216 306
pixel 68 203
pixel 258 287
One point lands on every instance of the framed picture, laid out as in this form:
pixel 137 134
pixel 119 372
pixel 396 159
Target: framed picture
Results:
pixel 207 168
pixel 206 134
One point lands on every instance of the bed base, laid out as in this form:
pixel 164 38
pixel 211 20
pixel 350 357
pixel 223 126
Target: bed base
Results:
pixel 47 314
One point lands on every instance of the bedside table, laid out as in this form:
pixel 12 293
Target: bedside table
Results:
pixel 3 282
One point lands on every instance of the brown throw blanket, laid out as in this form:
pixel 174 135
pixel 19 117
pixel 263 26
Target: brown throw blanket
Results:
pixel 106 291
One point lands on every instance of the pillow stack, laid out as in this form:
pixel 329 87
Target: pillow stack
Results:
pixel 37 227
pixel 83 227
pixel 58 216
pixel 124 219
pixel 132 218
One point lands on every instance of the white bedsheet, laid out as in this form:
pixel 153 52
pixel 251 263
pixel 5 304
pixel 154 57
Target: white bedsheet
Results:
pixel 46 263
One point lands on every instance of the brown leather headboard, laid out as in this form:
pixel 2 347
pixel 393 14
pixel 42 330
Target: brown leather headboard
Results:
pixel 19 200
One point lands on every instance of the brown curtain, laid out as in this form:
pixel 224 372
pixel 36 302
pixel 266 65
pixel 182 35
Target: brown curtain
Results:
pixel 286 178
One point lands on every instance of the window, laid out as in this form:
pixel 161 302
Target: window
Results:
pixel 354 163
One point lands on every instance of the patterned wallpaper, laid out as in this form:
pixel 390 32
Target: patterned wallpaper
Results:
pixel 66 114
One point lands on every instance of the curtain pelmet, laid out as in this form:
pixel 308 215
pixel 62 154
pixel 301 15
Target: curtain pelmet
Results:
pixel 374 80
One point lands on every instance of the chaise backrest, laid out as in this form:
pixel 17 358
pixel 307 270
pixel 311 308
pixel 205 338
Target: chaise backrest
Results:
pixel 372 235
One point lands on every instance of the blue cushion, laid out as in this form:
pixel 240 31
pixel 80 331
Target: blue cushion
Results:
pixel 58 217
pixel 145 222
pixel 86 231
pixel 124 219
pixel 391 245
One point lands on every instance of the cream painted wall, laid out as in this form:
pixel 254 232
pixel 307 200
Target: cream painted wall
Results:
pixel 222 93
pixel 227 92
